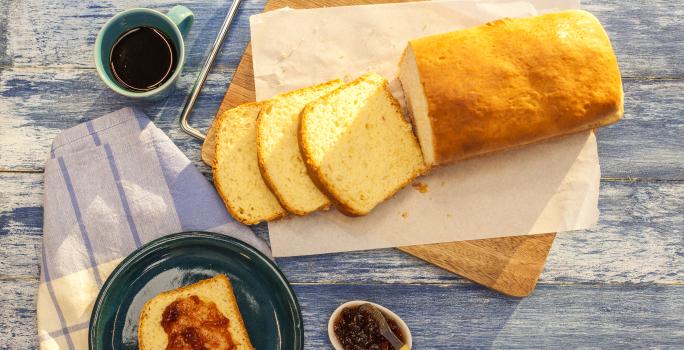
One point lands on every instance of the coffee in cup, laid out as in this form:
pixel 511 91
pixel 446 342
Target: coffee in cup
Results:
pixel 143 59
pixel 140 52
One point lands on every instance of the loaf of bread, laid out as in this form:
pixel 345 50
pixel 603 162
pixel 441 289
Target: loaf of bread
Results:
pixel 357 146
pixel 204 315
pixel 509 83
pixel 280 161
pixel 236 168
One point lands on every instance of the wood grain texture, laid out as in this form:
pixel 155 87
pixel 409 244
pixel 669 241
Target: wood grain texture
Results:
pixel 640 222
pixel 554 317
pixel 646 34
pixel 18 313
pixel 461 316
pixel 33 25
pixel 509 265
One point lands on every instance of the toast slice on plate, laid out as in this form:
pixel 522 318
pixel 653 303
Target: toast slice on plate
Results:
pixel 198 316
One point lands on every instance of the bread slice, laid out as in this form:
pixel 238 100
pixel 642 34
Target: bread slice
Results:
pixel 280 160
pixel 216 290
pixel 509 83
pixel 236 168
pixel 357 145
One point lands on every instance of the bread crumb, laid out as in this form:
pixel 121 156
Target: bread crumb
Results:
pixel 420 187
pixel 404 215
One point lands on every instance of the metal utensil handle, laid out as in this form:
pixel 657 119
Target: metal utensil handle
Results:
pixel 199 83
pixel 383 326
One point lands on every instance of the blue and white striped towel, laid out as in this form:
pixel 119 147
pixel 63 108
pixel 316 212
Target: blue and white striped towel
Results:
pixel 112 184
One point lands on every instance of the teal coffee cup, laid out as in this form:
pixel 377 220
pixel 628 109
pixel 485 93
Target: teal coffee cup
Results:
pixel 174 26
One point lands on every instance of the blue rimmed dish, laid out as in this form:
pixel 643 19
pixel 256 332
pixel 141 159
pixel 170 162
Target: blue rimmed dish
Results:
pixel 268 304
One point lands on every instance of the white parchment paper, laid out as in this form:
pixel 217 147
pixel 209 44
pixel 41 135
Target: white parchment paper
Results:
pixel 546 187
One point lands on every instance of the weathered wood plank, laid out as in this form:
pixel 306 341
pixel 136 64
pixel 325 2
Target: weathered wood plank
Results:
pixel 462 316
pixel 35 105
pixel 639 222
pixel 32 27
pixel 21 223
pixel 447 317
pixel 4 19
pixel 645 34
pixel 18 313
pixel 646 45
pixel 649 141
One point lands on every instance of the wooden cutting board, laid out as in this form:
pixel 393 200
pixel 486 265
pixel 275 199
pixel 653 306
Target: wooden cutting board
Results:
pixel 510 265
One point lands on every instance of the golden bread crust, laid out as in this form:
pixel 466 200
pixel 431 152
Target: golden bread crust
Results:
pixel 313 168
pixel 208 150
pixel 226 199
pixel 516 81
pixel 260 152
pixel 260 159
pixel 233 301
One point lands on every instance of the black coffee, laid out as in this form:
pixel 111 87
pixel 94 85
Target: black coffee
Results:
pixel 142 59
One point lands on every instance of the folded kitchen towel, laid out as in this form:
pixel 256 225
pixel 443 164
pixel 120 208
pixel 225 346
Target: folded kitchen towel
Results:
pixel 111 185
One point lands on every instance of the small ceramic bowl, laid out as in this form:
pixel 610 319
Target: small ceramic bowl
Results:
pixel 331 323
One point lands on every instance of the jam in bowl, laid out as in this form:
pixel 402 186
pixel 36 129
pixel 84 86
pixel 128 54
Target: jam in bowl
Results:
pixel 352 329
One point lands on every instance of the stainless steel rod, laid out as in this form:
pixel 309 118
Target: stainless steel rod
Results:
pixel 199 83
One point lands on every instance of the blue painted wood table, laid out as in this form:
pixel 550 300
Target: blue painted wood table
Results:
pixel 620 285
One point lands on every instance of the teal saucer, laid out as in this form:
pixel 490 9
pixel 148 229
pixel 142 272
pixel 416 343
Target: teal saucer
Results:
pixel 268 305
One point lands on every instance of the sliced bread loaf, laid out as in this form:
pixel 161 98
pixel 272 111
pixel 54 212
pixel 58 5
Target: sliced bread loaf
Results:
pixel 357 146
pixel 280 160
pixel 205 312
pixel 509 83
pixel 236 168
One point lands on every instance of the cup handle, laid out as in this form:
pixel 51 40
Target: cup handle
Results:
pixel 182 17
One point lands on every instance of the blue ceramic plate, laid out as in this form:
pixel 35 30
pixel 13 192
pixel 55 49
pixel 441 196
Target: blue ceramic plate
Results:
pixel 268 305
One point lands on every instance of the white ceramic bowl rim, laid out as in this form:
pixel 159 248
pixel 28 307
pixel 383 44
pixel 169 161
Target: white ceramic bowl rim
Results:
pixel 402 325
